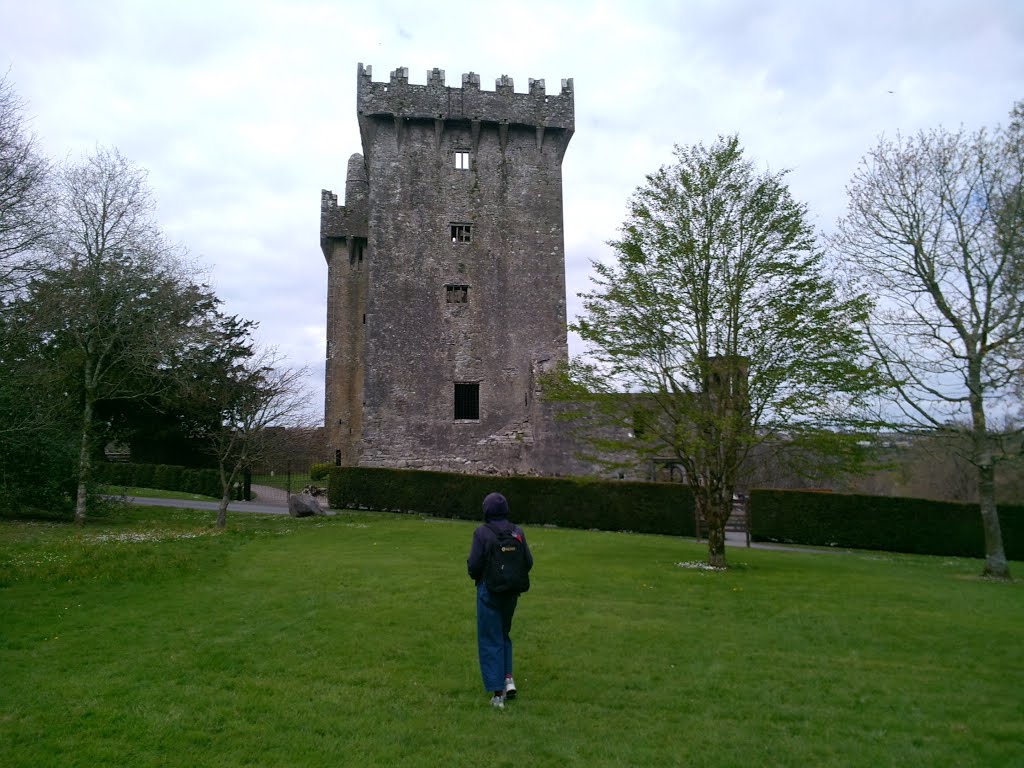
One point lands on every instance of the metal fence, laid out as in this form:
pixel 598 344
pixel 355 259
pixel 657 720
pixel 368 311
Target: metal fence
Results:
pixel 292 476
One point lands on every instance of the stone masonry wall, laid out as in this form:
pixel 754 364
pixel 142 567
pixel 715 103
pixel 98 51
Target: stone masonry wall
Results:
pixel 416 342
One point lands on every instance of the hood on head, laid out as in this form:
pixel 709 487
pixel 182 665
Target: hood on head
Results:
pixel 495 507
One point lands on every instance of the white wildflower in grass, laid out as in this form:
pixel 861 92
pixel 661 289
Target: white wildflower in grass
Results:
pixel 140 537
pixel 699 566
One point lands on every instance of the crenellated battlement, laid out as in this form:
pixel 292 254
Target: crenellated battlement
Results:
pixel 435 100
pixel 333 219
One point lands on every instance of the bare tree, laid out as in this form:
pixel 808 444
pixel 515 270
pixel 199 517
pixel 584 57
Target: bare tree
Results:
pixel 114 299
pixel 250 398
pixel 23 193
pixel 935 229
pixel 24 173
pixel 937 465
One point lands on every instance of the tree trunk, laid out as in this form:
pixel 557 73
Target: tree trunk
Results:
pixel 716 544
pixel 227 480
pixel 84 462
pixel 996 566
pixel 222 509
pixel 715 516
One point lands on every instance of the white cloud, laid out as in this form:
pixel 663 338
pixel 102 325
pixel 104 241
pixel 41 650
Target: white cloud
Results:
pixel 243 111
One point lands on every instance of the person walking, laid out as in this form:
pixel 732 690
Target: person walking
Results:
pixel 499 562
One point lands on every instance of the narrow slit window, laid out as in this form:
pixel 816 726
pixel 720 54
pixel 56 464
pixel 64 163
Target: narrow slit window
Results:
pixel 462 160
pixel 462 233
pixel 357 250
pixel 467 400
pixel 456 294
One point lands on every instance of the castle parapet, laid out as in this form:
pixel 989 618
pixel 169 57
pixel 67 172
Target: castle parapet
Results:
pixel 435 100
pixel 349 220
pixel 333 221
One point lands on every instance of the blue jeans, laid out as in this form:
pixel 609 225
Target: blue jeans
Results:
pixel 493 623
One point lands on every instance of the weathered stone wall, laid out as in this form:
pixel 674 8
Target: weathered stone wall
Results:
pixel 391 379
pixel 343 242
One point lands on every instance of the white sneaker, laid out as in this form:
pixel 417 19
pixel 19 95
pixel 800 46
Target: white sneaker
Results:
pixel 510 688
pixel 498 701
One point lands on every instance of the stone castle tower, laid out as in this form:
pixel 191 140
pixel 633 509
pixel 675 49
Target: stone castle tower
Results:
pixel 446 277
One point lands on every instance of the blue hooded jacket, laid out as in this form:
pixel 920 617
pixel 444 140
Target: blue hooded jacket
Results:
pixel 495 519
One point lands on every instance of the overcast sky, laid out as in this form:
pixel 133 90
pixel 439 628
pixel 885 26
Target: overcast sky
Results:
pixel 243 111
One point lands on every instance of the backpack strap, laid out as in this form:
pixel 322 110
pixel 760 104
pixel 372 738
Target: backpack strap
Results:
pixel 513 528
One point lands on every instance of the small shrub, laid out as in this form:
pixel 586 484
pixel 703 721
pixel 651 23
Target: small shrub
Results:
pixel 144 475
pixel 318 473
pixel 168 477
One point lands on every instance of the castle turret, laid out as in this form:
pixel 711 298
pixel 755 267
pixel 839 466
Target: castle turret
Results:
pixel 343 237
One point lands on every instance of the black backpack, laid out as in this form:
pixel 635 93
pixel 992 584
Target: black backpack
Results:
pixel 506 569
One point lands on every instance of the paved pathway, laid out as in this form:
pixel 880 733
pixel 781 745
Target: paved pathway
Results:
pixel 267 494
pixel 268 501
pixel 235 506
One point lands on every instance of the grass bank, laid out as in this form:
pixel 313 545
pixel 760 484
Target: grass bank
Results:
pixel 148 638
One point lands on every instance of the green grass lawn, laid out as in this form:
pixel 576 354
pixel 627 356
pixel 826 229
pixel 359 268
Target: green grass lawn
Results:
pixel 148 638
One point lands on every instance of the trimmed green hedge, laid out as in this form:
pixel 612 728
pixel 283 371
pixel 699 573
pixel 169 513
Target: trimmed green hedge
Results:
pixel 918 526
pixel 571 503
pixel 165 477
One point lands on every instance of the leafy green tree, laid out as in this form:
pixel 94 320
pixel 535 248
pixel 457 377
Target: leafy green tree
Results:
pixel 720 320
pixel 114 299
pixel 24 173
pixel 37 457
pixel 33 450
pixel 165 425
pixel 935 230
